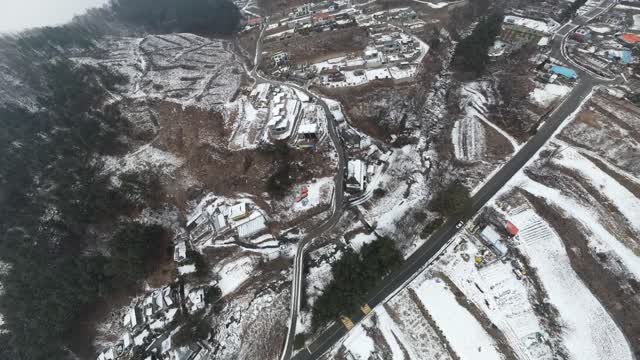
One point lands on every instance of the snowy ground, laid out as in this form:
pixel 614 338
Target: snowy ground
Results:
pixel 468 134
pixel 400 331
pixel 146 157
pixel 250 125
pixel 636 22
pixel 548 95
pixel 319 193
pixel 496 291
pixel 232 274
pixel 467 337
pixel 590 332
pixel 182 68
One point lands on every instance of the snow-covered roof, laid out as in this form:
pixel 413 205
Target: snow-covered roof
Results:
pixel 544 41
pixel 308 129
pixel 127 340
pixel 187 269
pixel 166 345
pixel 255 224
pixel 139 339
pixel 532 24
pixel 196 296
pixel 490 234
pixel 131 318
pixel 356 170
pixel 180 252
pixel 238 210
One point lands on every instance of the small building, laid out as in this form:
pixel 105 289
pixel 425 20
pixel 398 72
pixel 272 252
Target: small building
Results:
pixel 127 341
pixel 630 38
pixel 356 176
pixel 323 19
pixel 239 211
pixel 564 71
pixel 625 57
pixel 492 238
pixel 260 94
pixel 308 131
pixel 304 10
pixel 336 76
pixel 280 58
pixel 141 338
pixel 544 41
pixel 196 299
pixel 107 355
pixel 583 34
pixel 252 225
pixel 517 29
pixel 512 229
pixel 180 252
pixel 132 318
pixel 255 21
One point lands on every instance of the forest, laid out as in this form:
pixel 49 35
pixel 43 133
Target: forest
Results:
pixel 472 52
pixel 52 195
pixel 203 17
pixel 353 276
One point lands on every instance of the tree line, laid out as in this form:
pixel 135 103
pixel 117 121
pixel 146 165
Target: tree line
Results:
pixel 196 16
pixel 472 52
pixel 53 194
pixel 571 10
pixel 353 276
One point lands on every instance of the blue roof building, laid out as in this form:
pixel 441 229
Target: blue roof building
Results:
pixel 564 71
pixel 624 56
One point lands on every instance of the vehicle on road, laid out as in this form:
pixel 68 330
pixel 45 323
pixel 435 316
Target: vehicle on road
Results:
pixel 460 224
pixel 348 323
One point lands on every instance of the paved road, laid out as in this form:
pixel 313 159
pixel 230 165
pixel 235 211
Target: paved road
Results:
pixel 337 208
pixel 338 201
pixel 447 231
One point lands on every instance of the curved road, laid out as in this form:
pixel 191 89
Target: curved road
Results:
pixel 337 202
pixel 447 231
pixel 423 255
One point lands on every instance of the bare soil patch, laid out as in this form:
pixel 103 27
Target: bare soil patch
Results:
pixel 498 147
pixel 200 137
pixel 367 106
pixel 317 46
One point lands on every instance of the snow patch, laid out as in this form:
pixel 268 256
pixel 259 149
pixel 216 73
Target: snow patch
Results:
pixel 547 95
pixel 466 335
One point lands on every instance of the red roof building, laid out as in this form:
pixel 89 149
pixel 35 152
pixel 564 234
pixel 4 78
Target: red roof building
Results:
pixel 630 38
pixel 323 18
pixel 512 229
pixel 254 21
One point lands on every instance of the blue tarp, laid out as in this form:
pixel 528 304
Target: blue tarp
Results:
pixel 564 71
pixel 624 56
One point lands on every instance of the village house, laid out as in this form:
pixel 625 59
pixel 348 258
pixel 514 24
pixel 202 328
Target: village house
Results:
pixel 356 176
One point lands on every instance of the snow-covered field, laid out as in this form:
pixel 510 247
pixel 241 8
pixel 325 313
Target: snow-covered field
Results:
pixel 401 332
pixel 233 274
pixel 590 333
pixel 183 68
pixel 466 335
pixel 146 157
pixel 468 135
pixel 495 289
pixel 547 95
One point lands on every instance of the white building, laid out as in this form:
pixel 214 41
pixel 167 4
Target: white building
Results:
pixel 356 175
pixel 492 237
